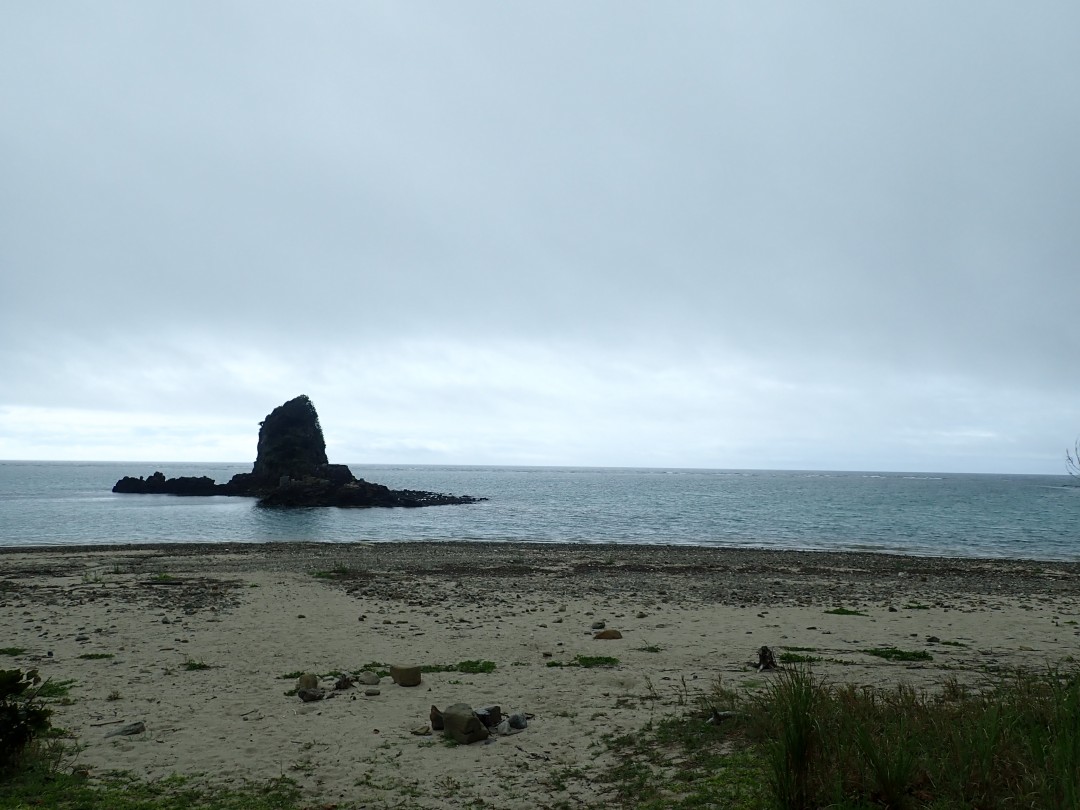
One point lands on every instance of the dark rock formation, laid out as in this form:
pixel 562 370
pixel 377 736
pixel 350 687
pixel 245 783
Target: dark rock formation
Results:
pixel 157 484
pixel 291 470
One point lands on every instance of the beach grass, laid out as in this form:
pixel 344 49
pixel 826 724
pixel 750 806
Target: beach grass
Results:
pixel 804 743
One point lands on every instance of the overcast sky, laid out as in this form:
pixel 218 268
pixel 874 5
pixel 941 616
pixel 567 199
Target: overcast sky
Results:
pixel 835 235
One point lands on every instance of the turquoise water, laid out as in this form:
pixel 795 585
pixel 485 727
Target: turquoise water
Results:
pixel 1033 517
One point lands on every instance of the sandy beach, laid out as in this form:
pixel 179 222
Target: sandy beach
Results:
pixel 687 616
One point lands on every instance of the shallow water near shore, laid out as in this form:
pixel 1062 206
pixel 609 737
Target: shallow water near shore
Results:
pixel 1017 516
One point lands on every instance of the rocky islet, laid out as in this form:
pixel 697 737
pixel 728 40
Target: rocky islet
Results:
pixel 292 470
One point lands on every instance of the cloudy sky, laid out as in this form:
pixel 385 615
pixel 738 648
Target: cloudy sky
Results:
pixel 833 235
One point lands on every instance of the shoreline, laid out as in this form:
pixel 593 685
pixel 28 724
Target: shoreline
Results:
pixel 688 615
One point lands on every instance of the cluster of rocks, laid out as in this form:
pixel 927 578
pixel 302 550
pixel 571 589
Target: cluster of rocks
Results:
pixel 465 725
pixel 292 470
pixel 458 721
pixel 309 686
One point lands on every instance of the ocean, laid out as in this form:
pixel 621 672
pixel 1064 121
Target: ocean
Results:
pixel 999 516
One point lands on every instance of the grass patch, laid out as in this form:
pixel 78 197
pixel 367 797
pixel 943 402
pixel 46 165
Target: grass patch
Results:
pixel 161 576
pixel 803 743
pixel 96 656
pixel 797 658
pixel 841 611
pixel 192 665
pixel 680 762
pixel 41 785
pixel 466 667
pixel 55 690
pixel 914 606
pixel 649 648
pixel 894 654
pixel 587 662
pixel 13 651
pixel 476 667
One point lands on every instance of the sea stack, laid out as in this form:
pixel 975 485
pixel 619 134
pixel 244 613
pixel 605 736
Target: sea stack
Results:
pixel 292 470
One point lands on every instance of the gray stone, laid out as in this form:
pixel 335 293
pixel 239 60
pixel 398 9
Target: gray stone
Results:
pixel 367 678
pixel 462 724
pixel 490 716
pixel 307 681
pixel 372 692
pixel 128 730
pixel 310 695
pixel 598 625
pixel 518 721
pixel 405 676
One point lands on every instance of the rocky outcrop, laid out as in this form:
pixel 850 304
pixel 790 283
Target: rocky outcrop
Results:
pixel 291 470
pixel 158 484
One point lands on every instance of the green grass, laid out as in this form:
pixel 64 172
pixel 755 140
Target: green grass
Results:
pixel 476 667
pixel 914 606
pixel 40 785
pixel 161 576
pixel 12 650
pixel 1016 744
pixel 803 743
pixel 340 572
pixel 196 666
pixel 95 656
pixel 587 662
pixel 797 658
pixel 679 762
pixel 649 648
pixel 54 690
pixel 841 611
pixel 894 654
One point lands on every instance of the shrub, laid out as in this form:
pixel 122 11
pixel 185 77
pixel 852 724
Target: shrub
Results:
pixel 22 714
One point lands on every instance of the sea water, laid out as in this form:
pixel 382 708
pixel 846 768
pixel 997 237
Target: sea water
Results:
pixel 1020 516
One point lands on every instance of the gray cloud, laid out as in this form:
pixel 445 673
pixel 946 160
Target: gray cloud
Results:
pixel 580 234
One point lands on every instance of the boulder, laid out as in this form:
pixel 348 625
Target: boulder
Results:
pixel 307 681
pixel 405 676
pixel 608 634
pixel 462 725
pixel 490 716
